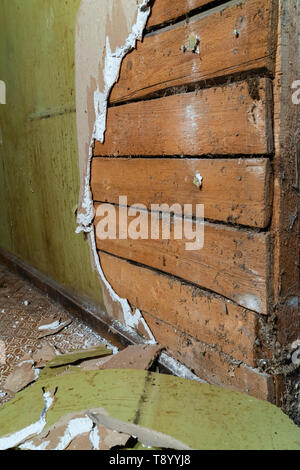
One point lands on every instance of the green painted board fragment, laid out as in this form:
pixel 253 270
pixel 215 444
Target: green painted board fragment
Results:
pixel 25 409
pixel 77 356
pixel 199 415
pixel 50 372
pixel 140 446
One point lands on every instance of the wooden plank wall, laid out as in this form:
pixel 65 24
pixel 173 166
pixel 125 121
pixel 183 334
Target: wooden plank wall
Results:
pixel 196 97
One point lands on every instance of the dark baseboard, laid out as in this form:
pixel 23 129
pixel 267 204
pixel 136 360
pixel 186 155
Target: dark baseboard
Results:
pixel 85 311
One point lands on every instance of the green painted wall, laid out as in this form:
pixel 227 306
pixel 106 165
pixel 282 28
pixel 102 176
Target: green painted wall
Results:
pixel 39 175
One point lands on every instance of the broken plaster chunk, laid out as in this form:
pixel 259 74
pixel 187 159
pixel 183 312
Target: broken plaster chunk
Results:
pixel 44 354
pixel 76 432
pixel 138 357
pixel 13 440
pixel 51 326
pixel 149 436
pixel 61 434
pixel 23 375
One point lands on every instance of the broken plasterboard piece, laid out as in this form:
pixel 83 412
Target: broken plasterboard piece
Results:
pixel 60 436
pixel 16 438
pixel 22 375
pixel 76 432
pixel 178 369
pixel 149 437
pixel 139 357
pixel 51 326
pixel 43 355
pixel 176 413
pixel 76 356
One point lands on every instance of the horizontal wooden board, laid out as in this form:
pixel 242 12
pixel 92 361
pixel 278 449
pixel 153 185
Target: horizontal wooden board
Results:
pixel 206 317
pixel 232 262
pixel 233 190
pixel 211 365
pixel 232 39
pixel 234 119
pixel 168 10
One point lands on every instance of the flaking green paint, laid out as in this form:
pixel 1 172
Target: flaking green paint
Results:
pixel 39 176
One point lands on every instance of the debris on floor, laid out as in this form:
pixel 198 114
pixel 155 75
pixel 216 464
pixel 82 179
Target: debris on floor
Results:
pixel 70 407
pixel 23 311
pixel 52 326
pixel 23 375
pixel 64 388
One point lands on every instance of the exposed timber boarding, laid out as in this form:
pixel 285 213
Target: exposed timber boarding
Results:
pixel 232 262
pixel 211 365
pixel 236 191
pixel 286 214
pixel 230 39
pixel 232 119
pixel 166 10
pixel 205 317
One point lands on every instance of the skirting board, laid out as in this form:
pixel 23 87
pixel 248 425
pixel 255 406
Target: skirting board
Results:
pixel 86 312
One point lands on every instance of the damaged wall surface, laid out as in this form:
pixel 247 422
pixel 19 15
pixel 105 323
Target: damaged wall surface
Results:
pixel 173 104
pixel 207 101
pixel 39 178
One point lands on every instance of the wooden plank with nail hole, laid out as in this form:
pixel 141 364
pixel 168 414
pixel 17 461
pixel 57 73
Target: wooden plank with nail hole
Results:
pixel 232 262
pixel 226 120
pixel 206 317
pixel 229 40
pixel 232 190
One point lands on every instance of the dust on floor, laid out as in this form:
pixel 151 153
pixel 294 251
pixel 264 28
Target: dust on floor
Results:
pixel 22 308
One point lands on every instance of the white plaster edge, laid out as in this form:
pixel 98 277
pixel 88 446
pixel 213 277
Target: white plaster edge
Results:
pixel 178 369
pixel 95 438
pixel 75 428
pixel 52 326
pixel 9 442
pixel 112 67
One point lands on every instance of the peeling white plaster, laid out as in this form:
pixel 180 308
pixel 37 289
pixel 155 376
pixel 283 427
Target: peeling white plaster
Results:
pixel 15 439
pixel 29 361
pixel 95 438
pixel 51 326
pixel 113 61
pixel 131 321
pixel 250 301
pixel 30 446
pixel 178 369
pixel 37 373
pixel 75 428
